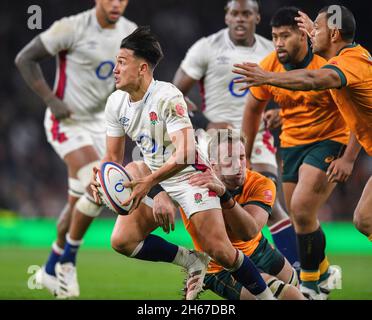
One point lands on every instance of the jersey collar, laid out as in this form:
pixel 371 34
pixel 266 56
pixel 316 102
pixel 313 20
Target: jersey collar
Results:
pixel 303 64
pixel 145 98
pixel 351 45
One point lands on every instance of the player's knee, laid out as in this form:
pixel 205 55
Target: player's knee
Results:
pixel 362 222
pixel 87 206
pixel 221 254
pixel 84 174
pixel 120 244
pixel 302 213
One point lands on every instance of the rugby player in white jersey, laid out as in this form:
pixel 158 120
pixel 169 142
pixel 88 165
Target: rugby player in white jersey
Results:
pixel 209 61
pixel 154 115
pixel 85 46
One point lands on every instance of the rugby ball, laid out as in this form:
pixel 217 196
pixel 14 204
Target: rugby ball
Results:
pixel 112 192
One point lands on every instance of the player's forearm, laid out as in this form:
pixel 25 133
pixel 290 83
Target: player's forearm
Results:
pixel 352 149
pixel 242 225
pixel 250 126
pixel 115 148
pixel 304 80
pixel 168 170
pixel 27 62
pixel 179 160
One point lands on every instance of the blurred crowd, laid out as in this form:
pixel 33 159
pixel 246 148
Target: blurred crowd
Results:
pixel 32 177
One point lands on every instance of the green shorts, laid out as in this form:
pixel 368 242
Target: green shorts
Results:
pixel 318 154
pixel 266 258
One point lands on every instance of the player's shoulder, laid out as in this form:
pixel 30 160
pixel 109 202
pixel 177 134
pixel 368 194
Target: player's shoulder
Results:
pixel 217 38
pixel 317 61
pixel 271 62
pixel 264 44
pixel 166 91
pixel 354 51
pixel 214 40
pixel 254 178
pixel 127 25
pixel 82 19
pixel 115 100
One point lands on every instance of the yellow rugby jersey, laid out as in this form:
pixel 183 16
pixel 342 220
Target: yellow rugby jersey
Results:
pixel 257 189
pixel 354 99
pixel 307 116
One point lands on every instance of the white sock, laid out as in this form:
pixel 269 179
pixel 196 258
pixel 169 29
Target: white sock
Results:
pixel 57 249
pixel 266 295
pixel 182 257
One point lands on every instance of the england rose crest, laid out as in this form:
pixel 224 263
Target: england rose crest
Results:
pixel 198 197
pixel 153 118
pixel 180 110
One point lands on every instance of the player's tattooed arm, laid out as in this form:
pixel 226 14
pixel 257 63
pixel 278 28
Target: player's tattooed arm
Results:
pixel 302 79
pixel 28 63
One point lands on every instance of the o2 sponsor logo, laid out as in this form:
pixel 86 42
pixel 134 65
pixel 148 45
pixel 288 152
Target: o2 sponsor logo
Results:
pixel 105 69
pixel 234 89
pixel 147 144
pixel 119 187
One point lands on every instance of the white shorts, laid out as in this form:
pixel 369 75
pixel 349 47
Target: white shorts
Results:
pixel 263 151
pixel 68 135
pixel 191 199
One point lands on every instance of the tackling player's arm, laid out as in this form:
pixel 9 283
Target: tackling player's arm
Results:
pixel 251 122
pixel 303 79
pixel 240 225
pixel 28 63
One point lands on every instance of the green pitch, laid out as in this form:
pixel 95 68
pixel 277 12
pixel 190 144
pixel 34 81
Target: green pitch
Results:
pixel 104 274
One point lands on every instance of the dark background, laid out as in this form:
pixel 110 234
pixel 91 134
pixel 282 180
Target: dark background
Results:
pixel 33 179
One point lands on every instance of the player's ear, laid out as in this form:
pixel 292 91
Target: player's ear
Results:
pixel 258 18
pixel 144 67
pixel 335 35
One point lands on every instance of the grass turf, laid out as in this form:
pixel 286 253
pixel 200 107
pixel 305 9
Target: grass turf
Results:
pixel 104 274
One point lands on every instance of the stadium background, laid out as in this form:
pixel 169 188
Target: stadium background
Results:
pixel 33 179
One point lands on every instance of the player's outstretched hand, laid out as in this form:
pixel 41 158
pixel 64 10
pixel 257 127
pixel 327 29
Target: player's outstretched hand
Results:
pixel 59 109
pixel 164 211
pixel 272 119
pixel 208 179
pixel 140 188
pixel 252 75
pixel 304 23
pixel 340 170
pixel 94 184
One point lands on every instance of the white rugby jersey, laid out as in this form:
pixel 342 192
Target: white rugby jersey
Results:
pixel 86 58
pixel 211 60
pixel 148 122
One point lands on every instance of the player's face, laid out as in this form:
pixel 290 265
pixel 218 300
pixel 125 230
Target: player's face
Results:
pixel 112 10
pixel 321 35
pixel 128 71
pixel 232 163
pixel 241 18
pixel 287 41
